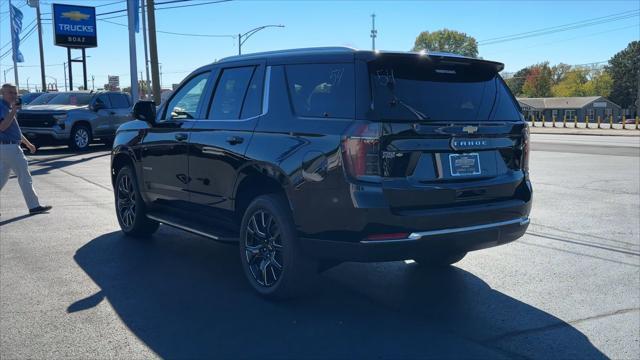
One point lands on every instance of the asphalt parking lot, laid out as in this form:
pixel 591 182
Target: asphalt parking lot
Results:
pixel 71 286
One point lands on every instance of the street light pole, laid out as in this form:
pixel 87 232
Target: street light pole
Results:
pixel 250 33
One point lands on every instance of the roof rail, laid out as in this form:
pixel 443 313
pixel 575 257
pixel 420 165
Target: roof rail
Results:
pixel 310 50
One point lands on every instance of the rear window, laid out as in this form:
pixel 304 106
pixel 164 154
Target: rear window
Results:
pixel 440 91
pixel 322 90
pixel 77 99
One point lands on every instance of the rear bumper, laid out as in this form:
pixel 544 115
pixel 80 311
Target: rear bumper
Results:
pixel 457 239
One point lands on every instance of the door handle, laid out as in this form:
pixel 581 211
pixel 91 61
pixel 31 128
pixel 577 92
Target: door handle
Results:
pixel 233 140
pixel 181 136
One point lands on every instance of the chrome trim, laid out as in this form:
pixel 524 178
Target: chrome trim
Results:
pixel 182 227
pixel 419 235
pixel 265 92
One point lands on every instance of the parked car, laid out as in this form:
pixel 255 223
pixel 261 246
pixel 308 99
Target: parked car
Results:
pixel 313 157
pixel 75 118
pixel 29 97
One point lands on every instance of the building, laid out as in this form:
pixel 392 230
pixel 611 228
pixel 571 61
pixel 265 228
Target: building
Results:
pixel 592 106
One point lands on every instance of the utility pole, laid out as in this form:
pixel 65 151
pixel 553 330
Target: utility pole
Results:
pixel 42 74
pixel 93 82
pixel 374 32
pixel 153 51
pixel 133 65
pixel 146 51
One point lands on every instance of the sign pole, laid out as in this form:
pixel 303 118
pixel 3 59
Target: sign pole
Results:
pixel 131 10
pixel 70 69
pixel 84 68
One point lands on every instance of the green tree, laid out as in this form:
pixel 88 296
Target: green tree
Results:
pixel 600 84
pixel 572 84
pixel 516 82
pixel 538 82
pixel 624 68
pixel 559 71
pixel 447 41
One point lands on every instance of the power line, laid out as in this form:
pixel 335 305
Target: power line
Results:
pixel 183 6
pixel 557 29
pixel 557 26
pixel 168 7
pixel 175 33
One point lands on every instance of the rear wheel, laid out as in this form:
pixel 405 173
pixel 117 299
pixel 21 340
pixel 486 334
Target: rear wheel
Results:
pixel 441 259
pixel 269 251
pixel 80 137
pixel 130 208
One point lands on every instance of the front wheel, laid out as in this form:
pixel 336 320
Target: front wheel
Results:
pixel 80 138
pixel 269 251
pixel 130 208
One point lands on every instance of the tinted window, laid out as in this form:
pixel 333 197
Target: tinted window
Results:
pixel 322 90
pixel 184 105
pixel 409 89
pixel 505 107
pixel 230 93
pixel 119 101
pixel 79 99
pixel 104 101
pixel 253 100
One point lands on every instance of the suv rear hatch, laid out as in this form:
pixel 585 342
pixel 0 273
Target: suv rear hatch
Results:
pixel 441 131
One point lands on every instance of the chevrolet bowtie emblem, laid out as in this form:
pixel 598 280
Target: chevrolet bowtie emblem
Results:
pixel 470 129
pixel 75 15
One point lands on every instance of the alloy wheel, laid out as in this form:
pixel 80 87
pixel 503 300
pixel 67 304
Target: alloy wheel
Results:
pixel 81 138
pixel 126 201
pixel 263 249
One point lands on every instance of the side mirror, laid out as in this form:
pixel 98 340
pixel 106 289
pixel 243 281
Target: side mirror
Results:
pixel 145 111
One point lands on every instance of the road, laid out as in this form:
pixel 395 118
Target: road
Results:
pixel 71 286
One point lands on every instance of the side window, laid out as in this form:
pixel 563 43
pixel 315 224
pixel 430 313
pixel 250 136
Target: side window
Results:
pixel 322 90
pixel 253 100
pixel 230 93
pixel 103 100
pixel 119 101
pixel 184 104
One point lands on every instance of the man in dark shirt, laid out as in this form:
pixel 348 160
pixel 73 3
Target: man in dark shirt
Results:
pixel 11 155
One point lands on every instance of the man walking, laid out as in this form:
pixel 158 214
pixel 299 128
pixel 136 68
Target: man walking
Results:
pixel 11 155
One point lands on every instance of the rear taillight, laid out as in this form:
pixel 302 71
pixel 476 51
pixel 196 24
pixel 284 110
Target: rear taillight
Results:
pixel 525 149
pixel 361 151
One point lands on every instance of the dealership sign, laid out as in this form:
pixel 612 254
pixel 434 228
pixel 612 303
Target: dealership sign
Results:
pixel 74 26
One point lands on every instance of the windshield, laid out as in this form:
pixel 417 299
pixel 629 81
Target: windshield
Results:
pixel 43 99
pixel 451 92
pixel 77 99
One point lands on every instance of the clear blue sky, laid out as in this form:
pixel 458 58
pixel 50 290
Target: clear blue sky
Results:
pixel 322 23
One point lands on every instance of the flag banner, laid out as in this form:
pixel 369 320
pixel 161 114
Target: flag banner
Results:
pixel 16 28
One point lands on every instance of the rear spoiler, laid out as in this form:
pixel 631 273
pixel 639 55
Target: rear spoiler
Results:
pixel 436 57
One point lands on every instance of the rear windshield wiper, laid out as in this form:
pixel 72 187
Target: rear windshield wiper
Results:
pixel 387 79
pixel 417 113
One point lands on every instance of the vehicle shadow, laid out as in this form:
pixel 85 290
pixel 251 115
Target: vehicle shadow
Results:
pixel 186 297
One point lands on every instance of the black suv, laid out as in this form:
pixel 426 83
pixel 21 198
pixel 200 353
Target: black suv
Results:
pixel 312 157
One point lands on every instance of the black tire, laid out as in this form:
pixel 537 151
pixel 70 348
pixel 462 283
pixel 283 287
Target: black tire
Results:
pixel 440 259
pixel 130 209
pixel 81 137
pixel 270 253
